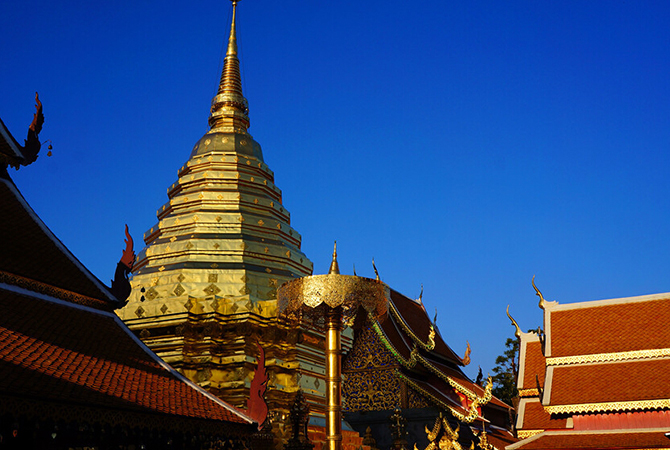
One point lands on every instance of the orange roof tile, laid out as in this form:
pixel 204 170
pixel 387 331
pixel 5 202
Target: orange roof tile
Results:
pixel 606 328
pixel 612 382
pixel 534 364
pixel 536 418
pixel 57 351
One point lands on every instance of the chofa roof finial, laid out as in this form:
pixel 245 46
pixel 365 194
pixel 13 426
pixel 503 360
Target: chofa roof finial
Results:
pixel 517 331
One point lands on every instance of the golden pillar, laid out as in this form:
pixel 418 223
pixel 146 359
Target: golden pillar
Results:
pixel 333 378
pixel 327 302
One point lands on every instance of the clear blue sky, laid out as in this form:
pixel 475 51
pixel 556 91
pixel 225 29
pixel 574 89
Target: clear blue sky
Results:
pixel 465 145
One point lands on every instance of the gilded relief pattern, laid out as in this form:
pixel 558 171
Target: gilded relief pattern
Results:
pixel 370 381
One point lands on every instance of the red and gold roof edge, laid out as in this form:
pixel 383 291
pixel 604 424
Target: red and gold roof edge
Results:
pixel 475 400
pixel 429 345
pixel 609 406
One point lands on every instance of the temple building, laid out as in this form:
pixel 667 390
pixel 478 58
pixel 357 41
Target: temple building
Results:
pixel 400 370
pixel 594 377
pixel 72 375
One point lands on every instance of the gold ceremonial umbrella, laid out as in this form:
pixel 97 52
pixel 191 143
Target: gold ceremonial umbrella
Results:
pixel 330 301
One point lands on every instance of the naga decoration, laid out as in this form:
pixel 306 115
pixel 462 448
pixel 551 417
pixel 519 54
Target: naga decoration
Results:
pixel 27 154
pixel 257 408
pixel 120 284
pixel 329 301
pixel 466 357
pixel 32 144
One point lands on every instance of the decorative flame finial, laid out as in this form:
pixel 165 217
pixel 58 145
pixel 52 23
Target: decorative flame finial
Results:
pixel 334 267
pixel 229 107
pixel 376 273
pixel 421 294
pixel 517 331
pixel 466 358
pixel 543 302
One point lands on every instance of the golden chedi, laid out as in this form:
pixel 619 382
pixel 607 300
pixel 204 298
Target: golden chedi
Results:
pixel 205 286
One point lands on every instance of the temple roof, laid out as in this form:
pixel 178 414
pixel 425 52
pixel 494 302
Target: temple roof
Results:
pixel 532 363
pixel 62 352
pixel 634 381
pixel 607 326
pixel 601 359
pixel 428 364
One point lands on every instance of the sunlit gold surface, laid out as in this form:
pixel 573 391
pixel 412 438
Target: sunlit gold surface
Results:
pixel 333 378
pixel 306 297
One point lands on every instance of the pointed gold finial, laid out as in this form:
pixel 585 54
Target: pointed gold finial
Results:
pixel 355 270
pixel 517 331
pixel 543 302
pixel 421 294
pixel 334 267
pixel 376 273
pixel 229 107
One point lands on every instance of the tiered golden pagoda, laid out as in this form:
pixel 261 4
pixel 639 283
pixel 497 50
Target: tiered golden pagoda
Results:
pixel 205 286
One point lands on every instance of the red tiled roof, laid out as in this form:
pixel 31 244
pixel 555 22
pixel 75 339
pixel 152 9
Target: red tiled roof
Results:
pixel 32 252
pixel 464 381
pixel 613 382
pixel 635 439
pixel 56 351
pixel 437 389
pixel 534 364
pixel 536 418
pixel 606 328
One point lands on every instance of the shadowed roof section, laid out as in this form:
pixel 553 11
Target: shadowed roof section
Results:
pixel 610 326
pixel 65 353
pixel 414 316
pixel 31 251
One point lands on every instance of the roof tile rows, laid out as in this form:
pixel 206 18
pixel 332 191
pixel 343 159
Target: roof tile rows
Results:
pixel 59 352
pixel 611 382
pixel 616 327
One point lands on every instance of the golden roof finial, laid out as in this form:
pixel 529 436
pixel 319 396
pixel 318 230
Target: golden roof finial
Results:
pixel 466 358
pixel 543 302
pixel 334 267
pixel 517 332
pixel 376 273
pixel 229 107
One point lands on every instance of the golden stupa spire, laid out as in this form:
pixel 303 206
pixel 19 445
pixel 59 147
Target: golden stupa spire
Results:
pixel 334 267
pixel 229 107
